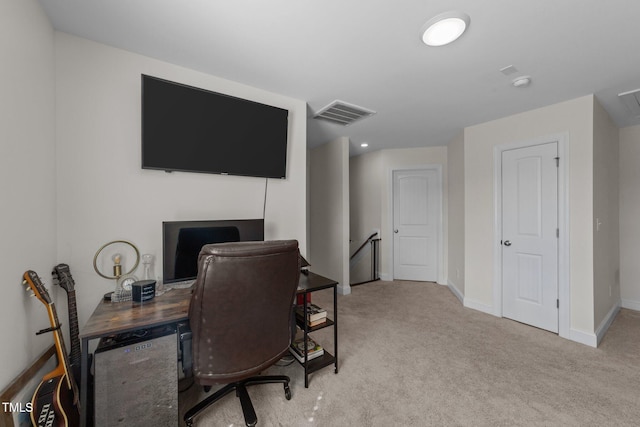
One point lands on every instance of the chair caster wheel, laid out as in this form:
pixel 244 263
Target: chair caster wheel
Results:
pixel 287 392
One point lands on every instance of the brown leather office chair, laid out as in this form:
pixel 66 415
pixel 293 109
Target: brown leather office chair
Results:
pixel 240 316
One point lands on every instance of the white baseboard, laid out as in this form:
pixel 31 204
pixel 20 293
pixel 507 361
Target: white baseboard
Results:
pixel 607 321
pixel 631 304
pixel 485 308
pixel 585 338
pixel 387 278
pixel 344 290
pixel 592 339
pixel 455 291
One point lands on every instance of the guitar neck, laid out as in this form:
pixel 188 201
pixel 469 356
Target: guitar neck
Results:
pixel 74 330
pixel 63 360
pixel 58 339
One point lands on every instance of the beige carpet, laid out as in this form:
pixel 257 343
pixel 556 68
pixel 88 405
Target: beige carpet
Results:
pixel 411 355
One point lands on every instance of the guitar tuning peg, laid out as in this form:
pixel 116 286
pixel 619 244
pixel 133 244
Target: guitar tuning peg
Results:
pixel 32 294
pixel 24 281
pixel 27 289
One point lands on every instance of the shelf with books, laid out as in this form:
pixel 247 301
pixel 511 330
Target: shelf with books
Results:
pixel 317 358
pixel 314 313
pixel 313 325
pixel 320 362
pixel 309 283
pixel 322 325
pixel 314 350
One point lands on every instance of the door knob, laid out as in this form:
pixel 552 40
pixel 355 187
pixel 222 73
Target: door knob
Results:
pixel 395 231
pixel 507 243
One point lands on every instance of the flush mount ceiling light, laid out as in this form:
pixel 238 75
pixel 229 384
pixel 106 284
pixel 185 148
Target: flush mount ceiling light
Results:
pixel 444 28
pixel 522 81
pixel 364 145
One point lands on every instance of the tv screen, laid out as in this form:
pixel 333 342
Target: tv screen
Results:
pixel 182 241
pixel 195 130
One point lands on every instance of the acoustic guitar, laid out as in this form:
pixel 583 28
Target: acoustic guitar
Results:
pixel 55 401
pixel 62 274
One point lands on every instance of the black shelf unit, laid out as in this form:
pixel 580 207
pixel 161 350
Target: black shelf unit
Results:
pixel 309 283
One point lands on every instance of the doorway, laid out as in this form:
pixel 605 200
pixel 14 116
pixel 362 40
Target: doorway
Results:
pixel 531 233
pixel 417 223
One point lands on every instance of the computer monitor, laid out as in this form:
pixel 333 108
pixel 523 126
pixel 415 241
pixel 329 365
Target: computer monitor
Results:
pixel 182 241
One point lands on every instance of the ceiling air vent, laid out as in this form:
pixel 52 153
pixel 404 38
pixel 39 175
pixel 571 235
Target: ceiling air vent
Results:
pixel 632 100
pixel 343 113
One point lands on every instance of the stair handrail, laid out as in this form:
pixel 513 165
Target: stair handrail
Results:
pixel 363 244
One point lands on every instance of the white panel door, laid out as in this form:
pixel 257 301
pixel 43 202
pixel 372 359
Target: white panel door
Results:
pixel 416 198
pixel 529 235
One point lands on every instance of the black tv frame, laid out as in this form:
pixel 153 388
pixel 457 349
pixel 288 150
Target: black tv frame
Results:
pixel 188 129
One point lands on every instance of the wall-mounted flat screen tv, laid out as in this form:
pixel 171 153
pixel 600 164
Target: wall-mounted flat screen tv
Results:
pixel 182 241
pixel 195 130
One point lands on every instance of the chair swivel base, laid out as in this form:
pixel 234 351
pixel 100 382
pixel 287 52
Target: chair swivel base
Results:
pixel 240 387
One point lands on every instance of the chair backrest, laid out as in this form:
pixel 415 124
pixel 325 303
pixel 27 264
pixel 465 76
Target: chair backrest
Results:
pixel 241 308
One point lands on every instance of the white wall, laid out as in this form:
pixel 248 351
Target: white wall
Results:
pixel 455 166
pixel 329 211
pixel 104 195
pixel 629 215
pixel 27 177
pixel 365 185
pixel 606 228
pixel 573 118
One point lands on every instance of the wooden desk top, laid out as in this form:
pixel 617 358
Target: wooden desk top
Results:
pixel 171 307
pixel 112 318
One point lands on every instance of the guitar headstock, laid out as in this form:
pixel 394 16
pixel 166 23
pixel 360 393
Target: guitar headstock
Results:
pixel 62 273
pixel 31 278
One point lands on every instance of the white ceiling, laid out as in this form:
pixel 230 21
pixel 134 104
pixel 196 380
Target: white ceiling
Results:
pixel 369 53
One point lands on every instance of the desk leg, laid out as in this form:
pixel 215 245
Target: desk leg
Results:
pixel 84 374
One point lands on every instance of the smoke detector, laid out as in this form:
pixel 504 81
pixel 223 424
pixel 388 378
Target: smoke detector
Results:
pixel 343 113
